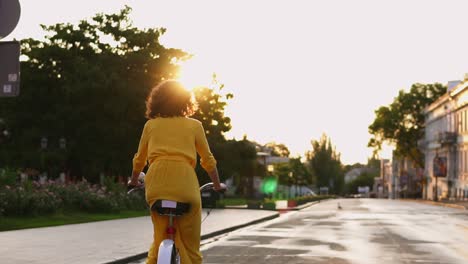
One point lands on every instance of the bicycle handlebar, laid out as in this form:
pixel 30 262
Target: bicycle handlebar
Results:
pixel 210 186
pixel 206 187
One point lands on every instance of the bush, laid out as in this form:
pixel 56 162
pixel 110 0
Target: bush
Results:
pixel 253 204
pixel 269 204
pixel 8 177
pixel 23 200
pixel 307 199
pixel 32 198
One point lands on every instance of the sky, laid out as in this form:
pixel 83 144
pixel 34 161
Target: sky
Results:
pixel 297 69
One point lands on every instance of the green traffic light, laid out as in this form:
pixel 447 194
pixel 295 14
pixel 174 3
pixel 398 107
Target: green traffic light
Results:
pixel 269 185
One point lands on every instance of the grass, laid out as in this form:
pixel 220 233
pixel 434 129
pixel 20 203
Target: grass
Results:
pixel 234 201
pixel 15 223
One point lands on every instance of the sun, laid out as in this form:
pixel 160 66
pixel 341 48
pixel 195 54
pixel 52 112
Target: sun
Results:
pixel 194 73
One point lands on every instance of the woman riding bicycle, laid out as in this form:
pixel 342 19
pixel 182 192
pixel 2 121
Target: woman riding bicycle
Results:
pixel 170 142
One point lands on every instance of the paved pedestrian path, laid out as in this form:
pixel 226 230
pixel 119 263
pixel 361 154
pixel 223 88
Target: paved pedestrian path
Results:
pixel 463 205
pixel 106 241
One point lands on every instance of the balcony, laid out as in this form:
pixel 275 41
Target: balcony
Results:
pixel 447 138
pixel 422 144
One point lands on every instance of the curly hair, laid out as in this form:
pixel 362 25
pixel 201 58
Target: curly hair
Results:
pixel 169 99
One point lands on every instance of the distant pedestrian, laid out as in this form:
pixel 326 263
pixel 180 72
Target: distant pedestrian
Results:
pixel 170 142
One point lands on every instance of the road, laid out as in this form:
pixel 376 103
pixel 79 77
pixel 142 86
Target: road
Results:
pixel 362 231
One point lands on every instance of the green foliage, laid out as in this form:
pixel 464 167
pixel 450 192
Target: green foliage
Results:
pixel 269 204
pixel 254 204
pixel 402 122
pixel 211 105
pixel 374 163
pixel 24 200
pixel 86 82
pixel 32 198
pixel 278 149
pixel 237 159
pixel 307 199
pixel 365 179
pixel 234 158
pixel 293 172
pixel 325 165
pixel 111 185
pixel 8 177
pixel 234 201
pixel 60 218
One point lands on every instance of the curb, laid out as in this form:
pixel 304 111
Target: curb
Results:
pixel 297 208
pixel 232 228
pixel 455 206
pixel 203 237
pixel 304 206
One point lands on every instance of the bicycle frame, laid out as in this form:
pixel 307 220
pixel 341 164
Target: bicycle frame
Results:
pixel 168 252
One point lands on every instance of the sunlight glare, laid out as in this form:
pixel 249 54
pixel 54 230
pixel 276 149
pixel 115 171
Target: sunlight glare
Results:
pixel 194 73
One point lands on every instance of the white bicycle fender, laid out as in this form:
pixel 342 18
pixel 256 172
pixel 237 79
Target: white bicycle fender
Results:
pixel 165 251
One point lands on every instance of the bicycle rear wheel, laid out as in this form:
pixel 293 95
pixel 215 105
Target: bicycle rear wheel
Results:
pixel 175 257
pixel 168 253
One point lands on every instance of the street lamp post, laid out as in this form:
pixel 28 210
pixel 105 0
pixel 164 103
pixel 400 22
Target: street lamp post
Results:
pixel 296 186
pixel 270 169
pixel 290 174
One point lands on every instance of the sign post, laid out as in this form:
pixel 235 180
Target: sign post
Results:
pixel 9 68
pixel 10 11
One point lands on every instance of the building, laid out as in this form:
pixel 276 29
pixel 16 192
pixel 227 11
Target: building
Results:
pixel 355 173
pixel 383 183
pixel 407 179
pixel 445 144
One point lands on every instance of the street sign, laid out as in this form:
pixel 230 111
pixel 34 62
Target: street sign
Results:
pixel 10 11
pixel 440 166
pixel 9 69
pixel 363 189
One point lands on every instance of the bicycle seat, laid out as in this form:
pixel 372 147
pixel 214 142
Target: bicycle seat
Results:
pixel 168 207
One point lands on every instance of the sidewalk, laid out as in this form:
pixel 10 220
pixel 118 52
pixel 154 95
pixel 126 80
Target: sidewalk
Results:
pixel 463 205
pixel 115 241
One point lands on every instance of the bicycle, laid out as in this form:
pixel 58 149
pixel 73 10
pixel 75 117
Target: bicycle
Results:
pixel 168 252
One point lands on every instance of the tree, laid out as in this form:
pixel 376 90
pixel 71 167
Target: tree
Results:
pixel 87 83
pixel 238 160
pixel 402 122
pixel 325 164
pixel 373 163
pixel 278 149
pixel 364 179
pixel 211 105
pixel 295 171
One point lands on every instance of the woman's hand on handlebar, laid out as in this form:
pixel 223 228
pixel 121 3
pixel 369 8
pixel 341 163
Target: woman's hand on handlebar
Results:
pixel 134 183
pixel 220 187
pixel 137 180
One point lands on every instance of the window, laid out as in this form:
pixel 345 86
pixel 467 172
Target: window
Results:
pixel 465 162
pixel 465 122
pixel 458 122
pixel 460 162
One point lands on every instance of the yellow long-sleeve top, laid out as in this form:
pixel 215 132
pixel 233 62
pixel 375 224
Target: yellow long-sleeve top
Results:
pixel 177 138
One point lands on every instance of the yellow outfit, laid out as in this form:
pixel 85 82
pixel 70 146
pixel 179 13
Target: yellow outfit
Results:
pixel 170 145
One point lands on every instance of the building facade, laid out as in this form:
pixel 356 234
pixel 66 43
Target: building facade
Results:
pixel 407 179
pixel 445 145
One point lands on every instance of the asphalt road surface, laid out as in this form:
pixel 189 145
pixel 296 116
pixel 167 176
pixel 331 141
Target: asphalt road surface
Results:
pixel 362 231
pixel 368 231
